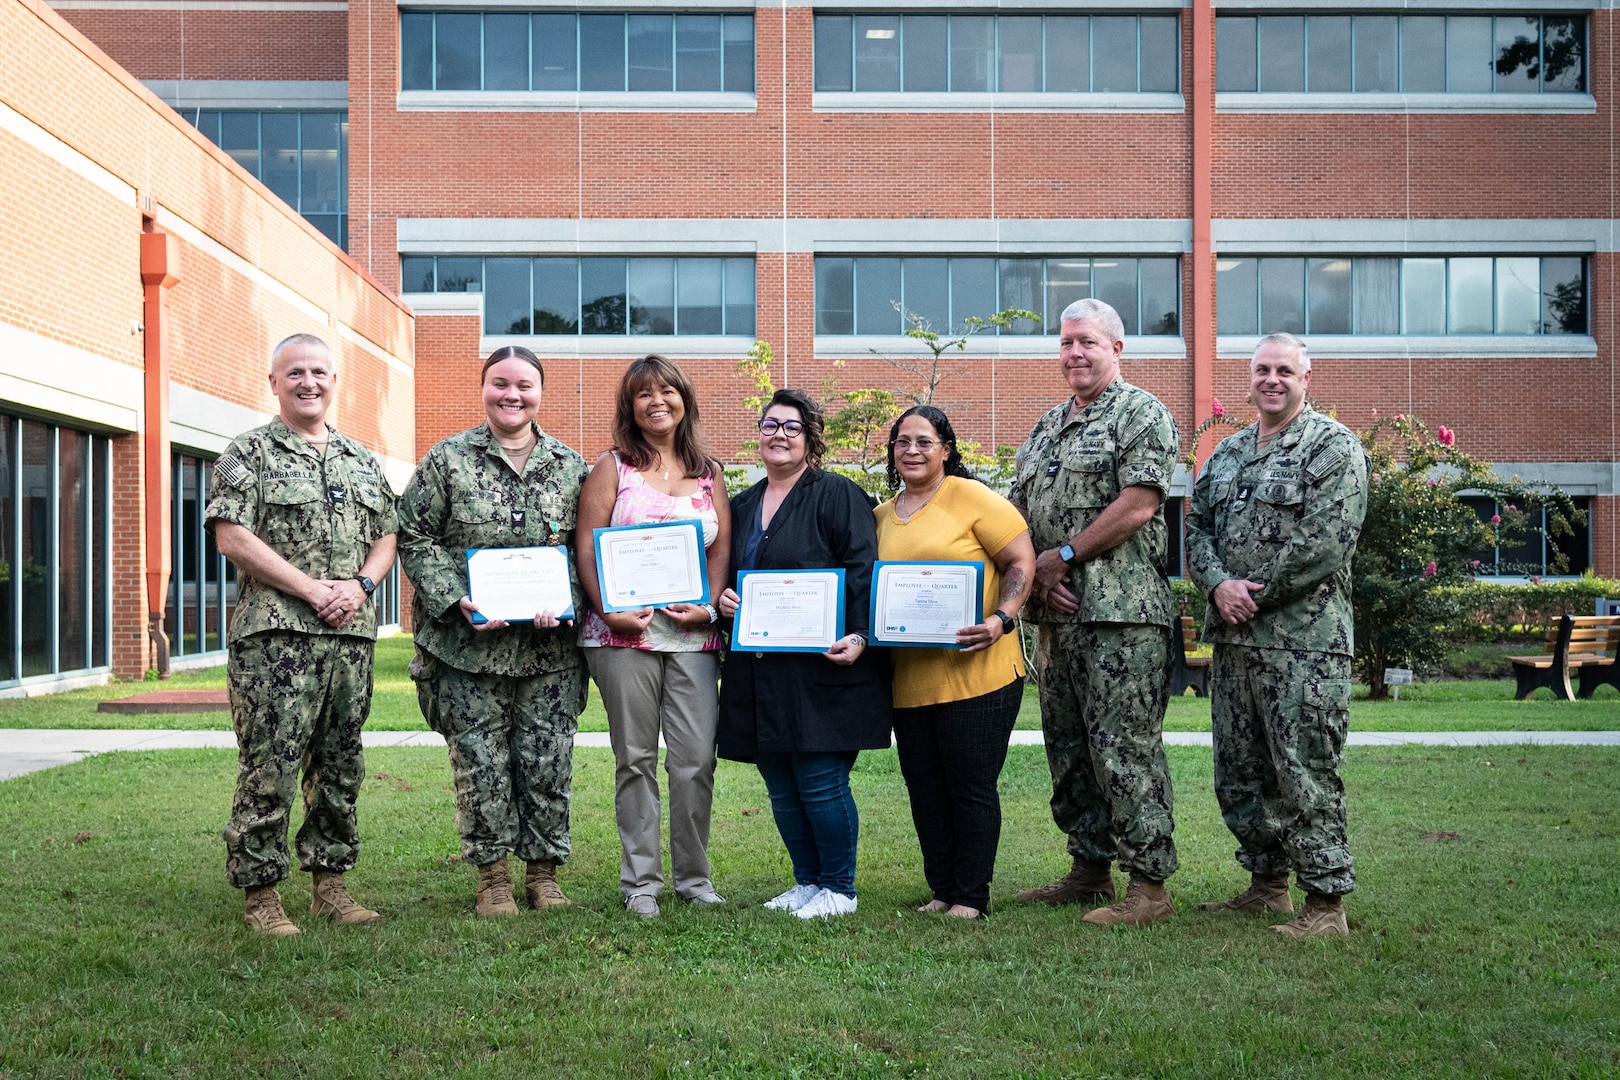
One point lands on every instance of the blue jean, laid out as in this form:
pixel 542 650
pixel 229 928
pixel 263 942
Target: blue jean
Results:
pixel 815 813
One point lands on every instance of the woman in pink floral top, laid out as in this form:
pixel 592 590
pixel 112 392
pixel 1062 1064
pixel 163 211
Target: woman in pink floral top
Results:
pixel 658 668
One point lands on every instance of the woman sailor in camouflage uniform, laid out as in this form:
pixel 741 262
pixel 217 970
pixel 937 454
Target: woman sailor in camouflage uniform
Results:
pixel 505 696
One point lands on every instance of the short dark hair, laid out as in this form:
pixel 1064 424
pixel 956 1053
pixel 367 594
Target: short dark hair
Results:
pixel 815 424
pixel 653 371
pixel 512 352
pixel 941 424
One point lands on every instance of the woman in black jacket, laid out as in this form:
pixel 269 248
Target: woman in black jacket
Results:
pixel 803 717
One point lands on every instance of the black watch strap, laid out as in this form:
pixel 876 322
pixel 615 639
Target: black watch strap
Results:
pixel 366 584
pixel 1007 623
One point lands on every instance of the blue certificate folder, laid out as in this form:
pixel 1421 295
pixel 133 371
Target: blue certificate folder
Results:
pixel 479 617
pixel 747 635
pixel 633 596
pixel 887 631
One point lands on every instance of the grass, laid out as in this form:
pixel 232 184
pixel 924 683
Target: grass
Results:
pixel 1485 941
pixel 1454 705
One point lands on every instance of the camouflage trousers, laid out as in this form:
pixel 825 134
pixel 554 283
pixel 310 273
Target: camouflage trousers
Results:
pixel 1104 690
pixel 1280 719
pixel 511 743
pixel 298 702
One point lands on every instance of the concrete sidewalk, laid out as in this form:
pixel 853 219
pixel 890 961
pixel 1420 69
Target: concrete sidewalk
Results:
pixel 23 750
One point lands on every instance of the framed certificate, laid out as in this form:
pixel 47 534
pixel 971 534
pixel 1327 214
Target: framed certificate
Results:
pixel 639 566
pixel 516 584
pixel 788 610
pixel 924 604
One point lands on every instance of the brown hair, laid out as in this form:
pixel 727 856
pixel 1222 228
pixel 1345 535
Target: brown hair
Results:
pixel 512 352
pixel 651 372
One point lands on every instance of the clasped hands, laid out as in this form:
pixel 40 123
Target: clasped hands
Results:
pixel 338 601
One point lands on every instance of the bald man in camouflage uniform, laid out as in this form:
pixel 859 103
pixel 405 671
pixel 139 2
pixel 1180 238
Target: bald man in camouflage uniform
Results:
pixel 1275 518
pixel 1091 482
pixel 308 519
pixel 506 698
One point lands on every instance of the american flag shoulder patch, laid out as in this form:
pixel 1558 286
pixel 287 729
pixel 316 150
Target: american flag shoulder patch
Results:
pixel 1325 462
pixel 231 470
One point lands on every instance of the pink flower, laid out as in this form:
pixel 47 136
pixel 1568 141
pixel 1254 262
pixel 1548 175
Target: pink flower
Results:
pixel 1496 519
pixel 1446 436
pixel 1375 412
pixel 1475 564
pixel 1512 508
pixel 1434 483
pixel 1431 570
pixel 1535 579
pixel 1400 416
pixel 1216 409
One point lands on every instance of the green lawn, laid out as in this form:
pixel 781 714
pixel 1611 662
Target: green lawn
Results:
pixel 1485 942
pixel 1472 705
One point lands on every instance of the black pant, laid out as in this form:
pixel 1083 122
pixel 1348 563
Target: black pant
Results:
pixel 951 755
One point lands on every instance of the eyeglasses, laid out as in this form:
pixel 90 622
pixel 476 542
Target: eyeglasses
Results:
pixel 791 428
pixel 922 446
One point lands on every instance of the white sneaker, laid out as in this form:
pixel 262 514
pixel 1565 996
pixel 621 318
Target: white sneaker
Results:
pixel 794 899
pixel 826 904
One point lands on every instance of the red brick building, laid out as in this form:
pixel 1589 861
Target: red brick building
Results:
pixel 146 278
pixel 1425 191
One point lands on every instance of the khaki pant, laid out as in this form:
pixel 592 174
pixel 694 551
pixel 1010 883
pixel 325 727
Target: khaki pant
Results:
pixel 676 692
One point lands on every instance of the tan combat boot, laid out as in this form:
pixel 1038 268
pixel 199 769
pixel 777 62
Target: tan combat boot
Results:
pixel 1263 894
pixel 540 886
pixel 1085 883
pixel 1146 902
pixel 264 912
pixel 1323 914
pixel 495 890
pixel 332 899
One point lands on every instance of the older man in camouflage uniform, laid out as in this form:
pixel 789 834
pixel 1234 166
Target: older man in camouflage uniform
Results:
pixel 1091 482
pixel 308 519
pixel 506 697
pixel 1274 522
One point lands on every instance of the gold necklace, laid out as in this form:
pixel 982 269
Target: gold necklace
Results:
pixel 905 519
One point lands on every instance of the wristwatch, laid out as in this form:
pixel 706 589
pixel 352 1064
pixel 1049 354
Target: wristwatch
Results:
pixel 1007 623
pixel 366 584
pixel 1066 553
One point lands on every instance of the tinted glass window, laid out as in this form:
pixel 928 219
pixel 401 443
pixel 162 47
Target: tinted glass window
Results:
pixel 415 274
pixel 507 299
pixel 1160 288
pixel 506 52
pixel 652 296
pixel 740 299
pixel 1378 53
pixel 458 50
pixel 556 60
pixel 1236 67
pixel 1518 54
pixel 1237 294
pixel 737 47
pixel 1378 296
pixel 700 296
pixel 1563 296
pixel 1423 43
pixel 279 135
pixel 923 52
pixel 1468 55
pixel 835 296
pixel 1113 54
pixel 877 53
pixel 1067 280
pixel 876 294
pixel 1021 287
pixel 697 52
pixel 1329 54
pixel 1113 281
pixel 973 46
pixel 1563 49
pixel 835 63
pixel 1518 295
pixel 1161 54
pixel 1423 296
pixel 652 52
pixel 461 275
pixel 556 296
pixel 1068 54
pixel 973 289
pixel 1282 295
pixel 1282 53
pixel 1329 286
pixel 601 52
pixel 1020 54
pixel 416 51
pixel 602 296
pixel 927 291
pixel 1468 296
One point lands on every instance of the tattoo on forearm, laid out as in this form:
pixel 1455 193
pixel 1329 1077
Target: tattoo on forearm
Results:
pixel 1014 585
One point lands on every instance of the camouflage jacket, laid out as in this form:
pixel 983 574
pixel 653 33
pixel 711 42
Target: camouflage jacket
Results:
pixel 322 514
pixel 1287 516
pixel 1072 468
pixel 465 495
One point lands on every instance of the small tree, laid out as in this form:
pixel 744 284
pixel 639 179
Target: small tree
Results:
pixel 931 371
pixel 1419 535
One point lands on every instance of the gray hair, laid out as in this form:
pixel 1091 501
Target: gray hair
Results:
pixel 1283 337
pixel 306 340
pixel 1099 312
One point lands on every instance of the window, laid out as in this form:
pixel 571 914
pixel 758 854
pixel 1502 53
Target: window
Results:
pixel 302 157
pixel 1538 552
pixel 566 294
pixel 925 53
pixel 202 584
pixel 859 294
pixel 568 52
pixel 1413 296
pixel 55 539
pixel 1413 54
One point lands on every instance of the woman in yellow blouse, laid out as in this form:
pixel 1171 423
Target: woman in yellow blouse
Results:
pixel 954 709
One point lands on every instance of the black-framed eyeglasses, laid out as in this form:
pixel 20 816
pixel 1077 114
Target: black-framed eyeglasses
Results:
pixel 791 428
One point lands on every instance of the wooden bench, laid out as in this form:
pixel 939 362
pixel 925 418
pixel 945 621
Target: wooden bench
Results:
pixel 1191 670
pixel 1579 642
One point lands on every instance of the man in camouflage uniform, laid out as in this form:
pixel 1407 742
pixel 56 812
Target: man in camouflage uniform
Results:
pixel 1274 522
pixel 506 697
pixel 308 519
pixel 1091 482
